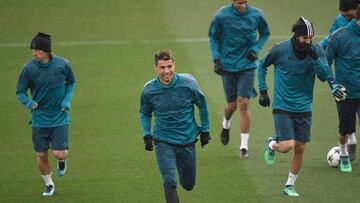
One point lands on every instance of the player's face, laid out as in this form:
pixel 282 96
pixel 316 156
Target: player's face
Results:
pixel 39 55
pixel 165 70
pixel 240 5
pixel 350 14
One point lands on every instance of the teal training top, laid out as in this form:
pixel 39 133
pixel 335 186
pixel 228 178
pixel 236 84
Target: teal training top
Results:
pixel 344 47
pixel 232 34
pixel 339 22
pixel 294 78
pixel 51 86
pixel 173 108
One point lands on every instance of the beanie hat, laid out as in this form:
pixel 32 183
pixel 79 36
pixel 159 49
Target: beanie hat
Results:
pixel 346 5
pixel 41 41
pixel 303 27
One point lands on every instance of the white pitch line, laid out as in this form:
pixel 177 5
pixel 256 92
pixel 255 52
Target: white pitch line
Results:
pixel 120 42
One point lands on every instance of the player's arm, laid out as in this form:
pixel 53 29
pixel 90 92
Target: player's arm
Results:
pixel 214 37
pixel 21 89
pixel 324 42
pixel 145 121
pixel 337 90
pixel 319 62
pixel 200 102
pixel 262 68
pixel 264 34
pixel 69 89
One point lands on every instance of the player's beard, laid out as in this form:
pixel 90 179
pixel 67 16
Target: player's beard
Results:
pixel 301 50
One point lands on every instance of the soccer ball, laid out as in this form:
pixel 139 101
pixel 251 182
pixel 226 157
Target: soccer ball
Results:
pixel 333 157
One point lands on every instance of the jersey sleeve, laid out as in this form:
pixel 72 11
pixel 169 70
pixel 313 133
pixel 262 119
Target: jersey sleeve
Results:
pixel 264 34
pixel 200 102
pixel 214 37
pixel 22 88
pixel 145 113
pixel 264 63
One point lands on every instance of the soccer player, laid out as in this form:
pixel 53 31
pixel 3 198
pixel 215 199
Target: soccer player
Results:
pixel 344 48
pixel 297 61
pixel 348 11
pixel 235 47
pixel 171 98
pixel 51 82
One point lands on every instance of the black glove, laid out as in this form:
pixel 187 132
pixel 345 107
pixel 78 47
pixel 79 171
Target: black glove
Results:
pixel 313 54
pixel 264 99
pixel 218 68
pixel 204 138
pixel 251 55
pixel 148 140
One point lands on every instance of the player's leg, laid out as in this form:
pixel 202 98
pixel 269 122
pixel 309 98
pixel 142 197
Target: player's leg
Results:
pixel 352 142
pixel 59 144
pixel 166 159
pixel 296 163
pixel 302 135
pixel 245 91
pixel 229 83
pixel 283 141
pixel 347 113
pixel 186 165
pixel 41 143
pixel 245 121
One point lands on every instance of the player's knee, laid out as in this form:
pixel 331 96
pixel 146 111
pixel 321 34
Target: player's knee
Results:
pixel 60 154
pixel 231 107
pixel 243 105
pixel 42 155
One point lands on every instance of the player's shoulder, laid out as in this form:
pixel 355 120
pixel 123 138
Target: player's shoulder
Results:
pixel 255 10
pixel 149 84
pixel 186 77
pixel 30 64
pixel 281 45
pixel 339 32
pixel 61 61
pixel 224 10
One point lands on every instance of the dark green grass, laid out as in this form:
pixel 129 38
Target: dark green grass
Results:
pixel 107 161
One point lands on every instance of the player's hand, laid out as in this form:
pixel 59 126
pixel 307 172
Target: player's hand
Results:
pixel 251 55
pixel 313 53
pixel 264 99
pixel 148 140
pixel 338 92
pixel 218 68
pixel 204 138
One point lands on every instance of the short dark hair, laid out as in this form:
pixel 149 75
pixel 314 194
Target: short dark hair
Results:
pixel 357 15
pixel 164 55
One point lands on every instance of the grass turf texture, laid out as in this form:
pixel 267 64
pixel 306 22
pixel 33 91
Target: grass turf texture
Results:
pixel 107 161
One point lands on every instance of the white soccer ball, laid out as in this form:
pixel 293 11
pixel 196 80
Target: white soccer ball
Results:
pixel 333 157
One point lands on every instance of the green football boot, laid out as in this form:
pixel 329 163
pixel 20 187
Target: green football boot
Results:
pixel 269 153
pixel 345 165
pixel 289 190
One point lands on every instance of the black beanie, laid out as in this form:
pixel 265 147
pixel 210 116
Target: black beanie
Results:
pixel 41 41
pixel 346 5
pixel 303 27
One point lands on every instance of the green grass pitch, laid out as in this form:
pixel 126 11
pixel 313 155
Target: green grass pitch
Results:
pixel 111 46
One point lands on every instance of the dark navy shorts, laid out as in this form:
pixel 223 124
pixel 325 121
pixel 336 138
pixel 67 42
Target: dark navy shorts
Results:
pixel 239 84
pixel 347 115
pixel 55 138
pixel 290 127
